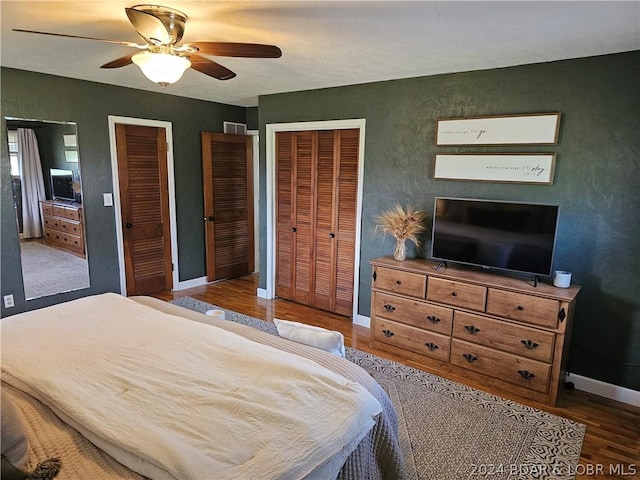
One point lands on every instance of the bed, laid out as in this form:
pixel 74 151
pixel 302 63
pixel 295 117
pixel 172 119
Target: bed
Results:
pixel 138 388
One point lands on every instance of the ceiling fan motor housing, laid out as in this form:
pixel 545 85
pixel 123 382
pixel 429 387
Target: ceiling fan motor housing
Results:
pixel 157 24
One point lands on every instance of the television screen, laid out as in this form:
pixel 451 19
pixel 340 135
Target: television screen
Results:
pixel 514 236
pixel 62 184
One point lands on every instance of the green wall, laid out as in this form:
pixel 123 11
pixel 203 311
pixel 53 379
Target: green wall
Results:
pixel 597 177
pixel 88 104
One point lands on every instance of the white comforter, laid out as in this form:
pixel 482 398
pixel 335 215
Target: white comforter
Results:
pixel 174 399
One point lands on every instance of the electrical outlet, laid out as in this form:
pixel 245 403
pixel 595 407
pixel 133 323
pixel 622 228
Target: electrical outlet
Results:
pixel 8 301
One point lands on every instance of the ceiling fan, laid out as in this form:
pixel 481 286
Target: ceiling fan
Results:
pixel 162 59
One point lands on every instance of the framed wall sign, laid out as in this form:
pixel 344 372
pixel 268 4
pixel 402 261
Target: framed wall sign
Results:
pixel 530 129
pixel 535 168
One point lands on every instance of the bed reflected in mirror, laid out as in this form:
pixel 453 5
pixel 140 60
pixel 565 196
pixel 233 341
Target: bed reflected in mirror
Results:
pixel 47 197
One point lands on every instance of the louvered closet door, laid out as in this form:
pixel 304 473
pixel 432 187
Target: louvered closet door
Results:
pixel 144 199
pixel 285 245
pixel 345 215
pixel 303 197
pixel 227 162
pixel 316 214
pixel 324 283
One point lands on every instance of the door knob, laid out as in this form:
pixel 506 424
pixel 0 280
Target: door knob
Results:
pixel 128 225
pixel 332 235
pixel 293 229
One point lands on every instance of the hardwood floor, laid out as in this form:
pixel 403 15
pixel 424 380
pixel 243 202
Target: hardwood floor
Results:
pixel 611 447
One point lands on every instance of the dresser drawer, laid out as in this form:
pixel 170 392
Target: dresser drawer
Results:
pixel 504 366
pixel 406 283
pixel 413 312
pixel 71 242
pixel 47 209
pixel 72 213
pixel 59 211
pixel 458 294
pixel 62 225
pixel 411 338
pixel 525 308
pixel 523 341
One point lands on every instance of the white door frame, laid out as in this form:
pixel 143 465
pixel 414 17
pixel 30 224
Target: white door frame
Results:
pixel 113 120
pixel 271 130
pixel 256 197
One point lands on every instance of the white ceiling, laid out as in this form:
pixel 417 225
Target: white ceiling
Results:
pixel 324 43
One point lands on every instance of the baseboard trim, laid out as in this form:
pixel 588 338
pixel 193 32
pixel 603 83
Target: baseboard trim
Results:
pixel 194 282
pixel 363 321
pixel 261 293
pixel 607 390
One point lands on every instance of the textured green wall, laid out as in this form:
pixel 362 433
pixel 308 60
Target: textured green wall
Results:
pixel 597 177
pixel 45 97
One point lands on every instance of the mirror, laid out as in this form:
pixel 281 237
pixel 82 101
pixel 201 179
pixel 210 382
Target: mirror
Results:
pixel 47 196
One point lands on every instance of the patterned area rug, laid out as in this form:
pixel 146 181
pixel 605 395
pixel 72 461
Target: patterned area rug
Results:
pixel 449 431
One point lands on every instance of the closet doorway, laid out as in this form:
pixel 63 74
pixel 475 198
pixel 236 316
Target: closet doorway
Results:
pixel 315 172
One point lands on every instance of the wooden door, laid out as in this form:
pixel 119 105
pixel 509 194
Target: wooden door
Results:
pixel 144 200
pixel 335 220
pixel 227 165
pixel 316 212
pixel 285 207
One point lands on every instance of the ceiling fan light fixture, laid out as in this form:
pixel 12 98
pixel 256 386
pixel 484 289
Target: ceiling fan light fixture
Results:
pixel 161 68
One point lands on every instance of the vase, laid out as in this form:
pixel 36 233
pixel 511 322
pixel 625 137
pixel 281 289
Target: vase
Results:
pixel 400 252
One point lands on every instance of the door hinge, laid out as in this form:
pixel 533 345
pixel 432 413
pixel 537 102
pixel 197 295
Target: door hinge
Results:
pixel 172 267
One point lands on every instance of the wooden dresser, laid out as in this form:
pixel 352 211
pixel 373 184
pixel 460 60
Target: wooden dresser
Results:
pixel 498 330
pixel 63 226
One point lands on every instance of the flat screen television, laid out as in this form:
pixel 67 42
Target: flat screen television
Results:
pixel 62 184
pixel 512 236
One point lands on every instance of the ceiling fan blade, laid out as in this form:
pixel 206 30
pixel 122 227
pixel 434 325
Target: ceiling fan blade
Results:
pixel 231 49
pixel 119 62
pixel 211 68
pixel 149 27
pixel 126 44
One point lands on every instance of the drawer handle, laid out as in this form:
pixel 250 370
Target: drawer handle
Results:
pixel 470 358
pixel 526 374
pixel 454 294
pixel 431 346
pixel 433 319
pixel 520 307
pixel 530 344
pixel 399 282
pixel 471 329
pixel 388 333
pixel 389 308
pixel 562 314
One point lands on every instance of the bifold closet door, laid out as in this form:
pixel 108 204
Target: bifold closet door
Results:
pixel 335 220
pixel 316 176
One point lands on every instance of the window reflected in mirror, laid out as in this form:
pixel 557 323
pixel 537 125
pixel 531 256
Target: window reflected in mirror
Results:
pixel 47 194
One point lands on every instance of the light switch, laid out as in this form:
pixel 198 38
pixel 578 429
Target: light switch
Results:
pixel 107 199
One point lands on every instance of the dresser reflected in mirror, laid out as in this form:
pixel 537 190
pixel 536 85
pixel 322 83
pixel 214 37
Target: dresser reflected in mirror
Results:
pixel 47 196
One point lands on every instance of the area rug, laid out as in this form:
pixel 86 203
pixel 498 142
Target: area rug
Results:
pixel 47 270
pixel 449 431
